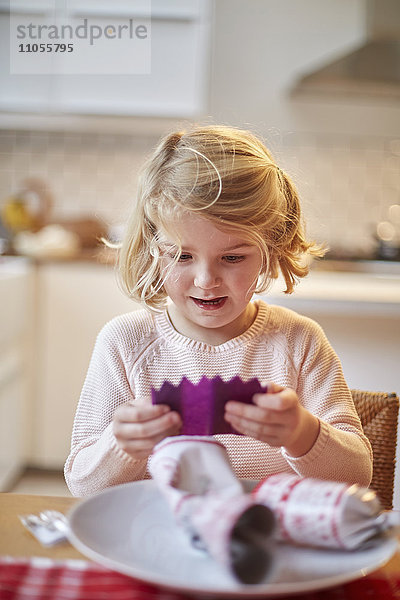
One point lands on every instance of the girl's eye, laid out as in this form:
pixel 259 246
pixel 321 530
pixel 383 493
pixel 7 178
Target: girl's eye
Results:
pixel 185 257
pixel 230 258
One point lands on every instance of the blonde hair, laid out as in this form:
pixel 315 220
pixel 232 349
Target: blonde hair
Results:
pixel 228 176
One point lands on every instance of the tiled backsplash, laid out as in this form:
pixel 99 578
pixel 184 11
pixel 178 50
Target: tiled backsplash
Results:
pixel 347 183
pixel 87 173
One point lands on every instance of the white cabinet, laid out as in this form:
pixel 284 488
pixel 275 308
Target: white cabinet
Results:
pixel 14 325
pixel 21 92
pixel 174 84
pixel 73 301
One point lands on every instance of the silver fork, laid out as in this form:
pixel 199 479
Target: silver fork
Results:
pixel 49 527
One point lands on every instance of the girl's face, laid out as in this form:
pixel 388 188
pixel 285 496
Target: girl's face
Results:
pixel 213 281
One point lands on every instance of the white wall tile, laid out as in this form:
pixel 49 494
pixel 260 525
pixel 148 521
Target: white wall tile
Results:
pixel 347 183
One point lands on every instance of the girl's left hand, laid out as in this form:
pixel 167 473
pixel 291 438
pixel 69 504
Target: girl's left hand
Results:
pixel 277 418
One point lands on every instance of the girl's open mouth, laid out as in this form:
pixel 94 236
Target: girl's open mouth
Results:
pixel 211 304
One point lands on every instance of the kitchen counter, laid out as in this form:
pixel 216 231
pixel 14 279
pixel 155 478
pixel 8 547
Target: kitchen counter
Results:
pixel 377 267
pixel 347 287
pixel 366 281
pixel 97 254
pixel 340 291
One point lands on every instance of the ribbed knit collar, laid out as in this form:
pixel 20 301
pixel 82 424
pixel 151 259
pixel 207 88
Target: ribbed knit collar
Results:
pixel 258 326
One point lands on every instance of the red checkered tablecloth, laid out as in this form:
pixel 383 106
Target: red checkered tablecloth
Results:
pixel 42 578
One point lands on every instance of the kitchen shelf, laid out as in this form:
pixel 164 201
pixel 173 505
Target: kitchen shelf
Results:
pixel 141 126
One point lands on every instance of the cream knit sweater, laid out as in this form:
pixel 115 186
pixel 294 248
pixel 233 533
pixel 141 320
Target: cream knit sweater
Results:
pixel 139 350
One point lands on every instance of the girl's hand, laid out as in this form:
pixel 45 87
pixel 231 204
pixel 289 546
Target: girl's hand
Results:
pixel 139 428
pixel 277 418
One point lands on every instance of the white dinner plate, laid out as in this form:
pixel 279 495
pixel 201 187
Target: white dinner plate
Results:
pixel 129 528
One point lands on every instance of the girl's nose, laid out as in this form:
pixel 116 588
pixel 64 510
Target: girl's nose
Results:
pixel 206 278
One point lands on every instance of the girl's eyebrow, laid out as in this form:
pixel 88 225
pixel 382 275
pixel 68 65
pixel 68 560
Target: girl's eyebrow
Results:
pixel 236 246
pixel 165 244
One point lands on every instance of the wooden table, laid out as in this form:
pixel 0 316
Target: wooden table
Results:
pixel 16 540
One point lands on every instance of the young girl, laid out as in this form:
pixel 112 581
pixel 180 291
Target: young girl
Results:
pixel 215 221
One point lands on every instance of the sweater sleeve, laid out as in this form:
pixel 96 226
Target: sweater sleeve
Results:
pixel 95 460
pixel 341 452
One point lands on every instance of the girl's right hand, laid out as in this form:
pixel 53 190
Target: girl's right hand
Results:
pixel 139 428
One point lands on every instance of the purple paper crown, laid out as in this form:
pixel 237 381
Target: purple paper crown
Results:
pixel 202 405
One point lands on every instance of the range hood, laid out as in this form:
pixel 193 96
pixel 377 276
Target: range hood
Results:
pixel 372 69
